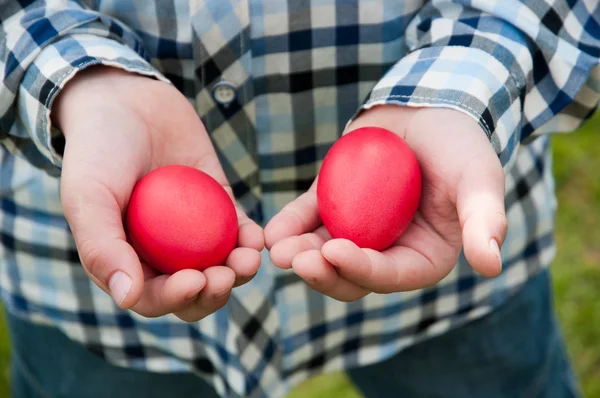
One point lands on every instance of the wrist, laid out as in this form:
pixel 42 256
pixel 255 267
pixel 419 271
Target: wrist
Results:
pixel 391 117
pixel 92 90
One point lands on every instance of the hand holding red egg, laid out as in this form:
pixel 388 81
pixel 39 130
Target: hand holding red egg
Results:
pixel 396 200
pixel 369 188
pixel 149 205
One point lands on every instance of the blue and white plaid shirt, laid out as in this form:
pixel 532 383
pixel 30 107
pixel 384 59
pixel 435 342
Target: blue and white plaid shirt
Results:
pixel 300 70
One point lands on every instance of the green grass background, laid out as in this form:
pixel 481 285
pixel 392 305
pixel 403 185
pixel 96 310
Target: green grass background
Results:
pixel 576 269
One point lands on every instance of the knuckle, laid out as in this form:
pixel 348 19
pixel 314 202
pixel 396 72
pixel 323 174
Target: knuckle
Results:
pixel 242 280
pixel 344 299
pixel 199 311
pixel 320 284
pixel 152 315
pixel 189 318
pixel 351 298
pixel 91 259
pixel 314 281
pixel 147 312
pixel 385 289
pixel 219 300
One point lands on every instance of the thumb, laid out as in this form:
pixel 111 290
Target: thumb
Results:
pixel 296 218
pixel 94 216
pixel 480 206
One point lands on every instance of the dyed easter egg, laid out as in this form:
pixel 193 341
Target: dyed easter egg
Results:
pixel 369 187
pixel 179 217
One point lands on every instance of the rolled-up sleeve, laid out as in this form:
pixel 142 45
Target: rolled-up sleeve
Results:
pixel 43 45
pixel 519 68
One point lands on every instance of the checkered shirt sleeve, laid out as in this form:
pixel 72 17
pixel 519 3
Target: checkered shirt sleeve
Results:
pixel 43 44
pixel 519 68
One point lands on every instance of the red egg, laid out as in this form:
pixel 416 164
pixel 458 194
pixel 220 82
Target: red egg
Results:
pixel 369 188
pixel 179 217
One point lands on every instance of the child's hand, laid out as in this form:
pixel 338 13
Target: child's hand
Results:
pixel 119 126
pixel 462 204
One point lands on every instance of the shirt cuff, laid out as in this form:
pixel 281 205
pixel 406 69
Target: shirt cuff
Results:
pixel 53 68
pixel 468 80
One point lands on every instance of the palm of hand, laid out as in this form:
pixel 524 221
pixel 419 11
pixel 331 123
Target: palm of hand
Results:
pixel 461 207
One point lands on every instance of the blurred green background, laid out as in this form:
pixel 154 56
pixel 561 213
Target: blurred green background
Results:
pixel 576 269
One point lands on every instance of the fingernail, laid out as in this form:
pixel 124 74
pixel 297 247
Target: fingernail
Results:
pixel 119 285
pixel 495 249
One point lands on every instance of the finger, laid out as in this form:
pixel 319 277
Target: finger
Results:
pixel 283 252
pixel 245 263
pixel 480 206
pixel 94 217
pixel 219 282
pixel 320 275
pixel 296 218
pixel 397 269
pixel 166 294
pixel 250 234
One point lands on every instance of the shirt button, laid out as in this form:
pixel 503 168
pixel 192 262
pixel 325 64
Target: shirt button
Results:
pixel 224 93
